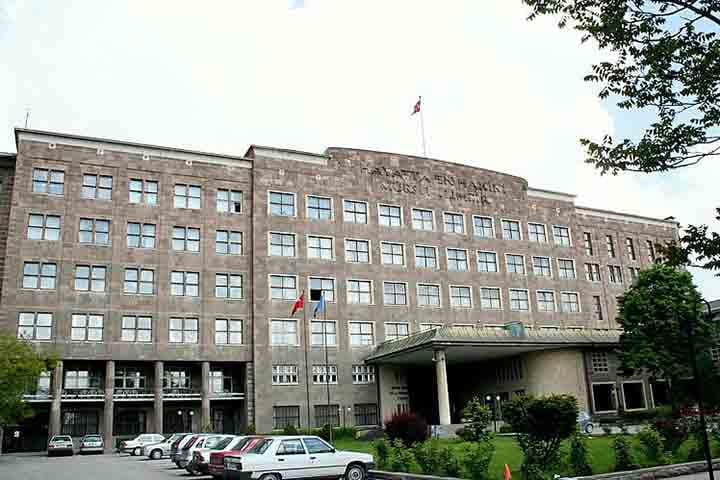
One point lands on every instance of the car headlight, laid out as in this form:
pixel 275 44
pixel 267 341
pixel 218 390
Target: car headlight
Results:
pixel 232 463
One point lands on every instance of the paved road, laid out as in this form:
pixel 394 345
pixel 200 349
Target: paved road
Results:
pixel 88 467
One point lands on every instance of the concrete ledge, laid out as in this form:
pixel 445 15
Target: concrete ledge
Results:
pixel 381 475
pixel 665 471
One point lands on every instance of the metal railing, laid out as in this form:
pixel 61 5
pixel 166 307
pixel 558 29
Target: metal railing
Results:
pixel 130 393
pixel 82 393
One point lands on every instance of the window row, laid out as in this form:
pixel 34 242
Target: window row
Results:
pixel 287 374
pixel 286 416
pixel 140 190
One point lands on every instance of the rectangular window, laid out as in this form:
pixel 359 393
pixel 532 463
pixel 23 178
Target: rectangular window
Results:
pixel 361 334
pixel 139 281
pixel 425 257
pixel 286 417
pixel 634 395
pixel 587 241
pixel 599 362
pixel 357 251
pixel 188 196
pixel 284 332
pixel 610 244
pixel 423 219
pixel 454 222
pixel 140 235
pixel 183 330
pixel 47 181
pixel 541 267
pixel 515 263
pixel 630 249
pixel 283 287
pixel 615 274
pixel 651 249
pixel 490 298
pixel 35 326
pixel 228 332
pixel 511 230
pixel 634 273
pixel 460 296
pixel 228 243
pixel 229 285
pixel 95 231
pixel 90 278
pixel 136 328
pixel 355 211
pixel 537 233
pixel 323 374
pixel 320 247
pixel 394 293
pixel 282 204
pixel 282 244
pixel 186 239
pixel 284 375
pixel 457 260
pixel 519 301
pixel 366 414
pixel 87 327
pixel 184 284
pixel 229 201
pixel 428 295
pixel 325 285
pixel 319 208
pixel 561 235
pixel 96 187
pixel 570 302
pixel 546 301
pixel 79 423
pixel 603 395
pixel 390 215
pixel 323 333
pixel 359 292
pixel 396 331
pixel 430 326
pixel 324 415
pixel 392 253
pixel 483 227
pixel 40 276
pixel 592 272
pixel 487 262
pixel 43 227
pixel 597 307
pixel 566 268
pixel 143 191
pixel 363 374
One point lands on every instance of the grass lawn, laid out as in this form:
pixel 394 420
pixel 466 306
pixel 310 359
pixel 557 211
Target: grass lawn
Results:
pixel 602 456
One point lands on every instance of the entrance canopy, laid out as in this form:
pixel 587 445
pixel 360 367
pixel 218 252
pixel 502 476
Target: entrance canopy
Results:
pixel 469 344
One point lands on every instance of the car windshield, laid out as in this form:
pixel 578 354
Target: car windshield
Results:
pixel 261 447
pixel 62 439
pixel 93 438
pixel 224 442
pixel 210 442
pixel 241 442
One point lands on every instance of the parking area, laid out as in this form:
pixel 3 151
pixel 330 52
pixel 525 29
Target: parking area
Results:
pixel 88 467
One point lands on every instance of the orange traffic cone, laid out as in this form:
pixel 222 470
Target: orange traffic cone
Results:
pixel 508 475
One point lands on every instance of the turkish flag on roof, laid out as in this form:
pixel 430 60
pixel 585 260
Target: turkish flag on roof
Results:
pixel 299 303
pixel 416 108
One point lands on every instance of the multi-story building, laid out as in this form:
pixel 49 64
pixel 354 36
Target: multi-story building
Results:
pixel 164 281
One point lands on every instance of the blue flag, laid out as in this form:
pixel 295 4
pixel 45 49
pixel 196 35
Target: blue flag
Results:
pixel 320 307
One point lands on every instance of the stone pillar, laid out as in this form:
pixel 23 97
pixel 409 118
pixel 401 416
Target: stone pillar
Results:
pixel 158 390
pixel 57 383
pixel 442 386
pixel 205 392
pixel 109 412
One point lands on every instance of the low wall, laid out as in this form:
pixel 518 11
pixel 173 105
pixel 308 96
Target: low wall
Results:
pixel 381 475
pixel 665 471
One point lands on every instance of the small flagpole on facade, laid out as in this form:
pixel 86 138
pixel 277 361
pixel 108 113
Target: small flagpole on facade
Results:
pixel 307 329
pixel 422 126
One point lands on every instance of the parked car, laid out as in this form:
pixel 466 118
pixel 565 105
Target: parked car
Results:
pixel 216 467
pixel 60 445
pixel 184 455
pixel 586 424
pixel 135 446
pixel 201 454
pixel 291 457
pixel 91 444
pixel 158 450
pixel 177 445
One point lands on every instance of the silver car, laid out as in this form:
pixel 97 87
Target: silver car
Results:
pixel 160 450
pixel 91 444
pixel 185 455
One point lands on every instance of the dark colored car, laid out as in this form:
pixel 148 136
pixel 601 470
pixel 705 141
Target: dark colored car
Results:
pixel 216 465
pixel 175 447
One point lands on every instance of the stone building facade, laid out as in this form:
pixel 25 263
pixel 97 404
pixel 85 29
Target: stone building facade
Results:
pixel 165 279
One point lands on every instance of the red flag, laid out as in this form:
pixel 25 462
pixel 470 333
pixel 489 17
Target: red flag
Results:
pixel 416 108
pixel 299 303
pixel 508 475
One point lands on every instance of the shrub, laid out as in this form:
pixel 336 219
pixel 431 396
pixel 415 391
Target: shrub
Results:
pixel 477 418
pixel 344 432
pixel 506 429
pixel 290 430
pixel 477 460
pixel 579 461
pixel 623 454
pixel 408 427
pixel 449 463
pixel 382 453
pixel 402 459
pixel 673 432
pixel 427 455
pixel 653 446
pixel 250 429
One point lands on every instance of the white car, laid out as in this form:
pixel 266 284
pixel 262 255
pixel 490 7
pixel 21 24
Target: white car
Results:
pixel 136 445
pixel 287 457
pixel 185 455
pixel 158 450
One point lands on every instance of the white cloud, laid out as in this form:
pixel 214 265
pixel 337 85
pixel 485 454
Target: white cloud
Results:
pixel 499 92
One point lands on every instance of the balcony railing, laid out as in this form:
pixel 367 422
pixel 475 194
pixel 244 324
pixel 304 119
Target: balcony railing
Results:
pixel 40 396
pixel 132 393
pixel 226 394
pixel 83 393
pixel 180 392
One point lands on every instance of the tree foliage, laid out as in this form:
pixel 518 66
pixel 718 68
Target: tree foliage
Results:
pixel 20 367
pixel 477 418
pixel 655 313
pixel 541 423
pixel 663 60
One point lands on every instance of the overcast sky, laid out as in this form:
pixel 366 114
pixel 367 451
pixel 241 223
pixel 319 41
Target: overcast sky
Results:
pixel 498 92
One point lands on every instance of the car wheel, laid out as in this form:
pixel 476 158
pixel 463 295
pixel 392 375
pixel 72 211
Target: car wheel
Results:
pixel 270 476
pixel 589 428
pixel 156 454
pixel 355 472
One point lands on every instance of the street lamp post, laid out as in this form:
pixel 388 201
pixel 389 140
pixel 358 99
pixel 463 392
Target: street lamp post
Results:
pixel 491 400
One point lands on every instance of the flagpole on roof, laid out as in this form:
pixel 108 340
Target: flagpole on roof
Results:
pixel 307 329
pixel 422 126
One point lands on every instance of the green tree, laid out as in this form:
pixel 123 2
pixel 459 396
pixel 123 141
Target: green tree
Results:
pixel 477 417
pixel 579 457
pixel 654 314
pixel 663 60
pixel 541 423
